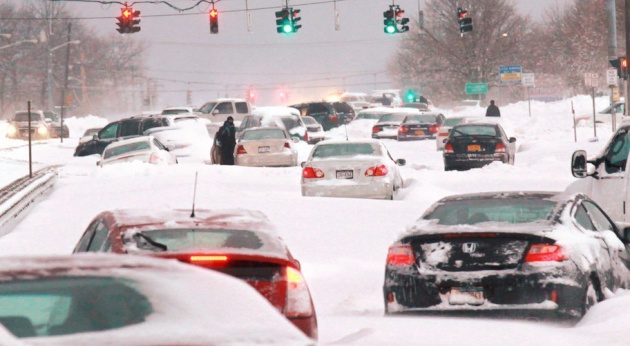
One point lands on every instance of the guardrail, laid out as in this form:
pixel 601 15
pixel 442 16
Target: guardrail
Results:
pixel 17 197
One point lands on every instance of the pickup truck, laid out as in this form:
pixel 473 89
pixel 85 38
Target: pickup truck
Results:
pixel 607 181
pixel 218 111
pixel 43 125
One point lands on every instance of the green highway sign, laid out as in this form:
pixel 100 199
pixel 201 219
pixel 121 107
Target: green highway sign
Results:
pixel 476 88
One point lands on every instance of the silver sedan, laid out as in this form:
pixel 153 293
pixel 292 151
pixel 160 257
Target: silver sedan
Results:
pixel 265 147
pixel 353 168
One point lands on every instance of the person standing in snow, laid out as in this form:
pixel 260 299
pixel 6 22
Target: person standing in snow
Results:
pixel 227 141
pixel 493 110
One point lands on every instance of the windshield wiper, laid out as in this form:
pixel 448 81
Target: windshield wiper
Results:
pixel 460 132
pixel 150 241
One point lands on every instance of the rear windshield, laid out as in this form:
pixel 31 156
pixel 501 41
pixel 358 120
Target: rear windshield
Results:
pixel 175 111
pixel 184 239
pixel 421 119
pixel 344 149
pixel 472 130
pixel 126 148
pixel 70 305
pixel 369 115
pixel 342 107
pixel 309 121
pixel 452 121
pixel 510 210
pixel 392 117
pixel 263 134
pixel 23 116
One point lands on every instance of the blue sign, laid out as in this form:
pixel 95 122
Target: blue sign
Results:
pixel 510 73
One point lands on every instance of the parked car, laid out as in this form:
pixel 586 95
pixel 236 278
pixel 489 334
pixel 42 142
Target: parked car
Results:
pixel 128 127
pixel 314 129
pixel 329 115
pixel 106 299
pixel 420 126
pixel 532 251
pixel 476 145
pixel 388 124
pixel 219 110
pixel 359 168
pixel 89 134
pixel 43 125
pixel 146 149
pixel 178 110
pixel 373 113
pixel 240 243
pixel 445 129
pixel 266 147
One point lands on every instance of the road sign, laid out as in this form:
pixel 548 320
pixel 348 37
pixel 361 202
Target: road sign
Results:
pixel 591 79
pixel 510 73
pixel 476 88
pixel 528 79
pixel 611 77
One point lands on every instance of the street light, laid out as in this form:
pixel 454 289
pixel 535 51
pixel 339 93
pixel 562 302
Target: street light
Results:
pixel 18 43
pixel 49 74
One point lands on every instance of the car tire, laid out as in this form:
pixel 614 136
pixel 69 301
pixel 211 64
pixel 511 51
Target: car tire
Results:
pixel 591 297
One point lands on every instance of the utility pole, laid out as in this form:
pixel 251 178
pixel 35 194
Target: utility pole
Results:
pixel 627 16
pixel 65 82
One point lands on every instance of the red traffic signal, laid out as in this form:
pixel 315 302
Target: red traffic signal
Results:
pixel 465 22
pixel 214 21
pixel 128 20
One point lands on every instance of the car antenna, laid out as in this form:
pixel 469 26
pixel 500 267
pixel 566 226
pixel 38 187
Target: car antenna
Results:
pixel 194 195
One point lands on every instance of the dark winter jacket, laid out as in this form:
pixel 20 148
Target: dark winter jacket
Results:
pixel 493 111
pixel 227 135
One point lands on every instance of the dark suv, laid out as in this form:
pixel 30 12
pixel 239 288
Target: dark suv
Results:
pixel 329 115
pixel 113 131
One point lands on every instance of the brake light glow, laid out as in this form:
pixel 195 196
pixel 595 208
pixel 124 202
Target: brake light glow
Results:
pixel 499 148
pixel 333 118
pixel 311 173
pixel 376 129
pixel 306 136
pixel 434 128
pixel 448 148
pixel 287 145
pixel 298 296
pixel 400 255
pixel 403 129
pixel 545 253
pixel 376 171
pixel 208 258
pixel 154 158
pixel 240 150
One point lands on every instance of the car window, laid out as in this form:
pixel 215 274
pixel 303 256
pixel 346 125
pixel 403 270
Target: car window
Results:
pixel 392 117
pixel 452 121
pixel 207 108
pixel 109 131
pixel 158 144
pixel 225 108
pixel 317 108
pixel 470 130
pixel 342 107
pixel 87 237
pixel 125 149
pixel 52 116
pixel 23 116
pixel 130 127
pixel 150 123
pixel 599 218
pixel 617 153
pixel 309 121
pixel 263 134
pixel 418 119
pixel 185 239
pixel 291 122
pixel 344 149
pixel 99 238
pixel 369 115
pixel 581 217
pixel 510 210
pixel 241 107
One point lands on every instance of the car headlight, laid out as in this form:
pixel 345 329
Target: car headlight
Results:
pixel 42 130
pixel 12 130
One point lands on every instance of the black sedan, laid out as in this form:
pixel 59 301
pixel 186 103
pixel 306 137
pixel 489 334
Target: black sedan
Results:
pixel 530 251
pixel 476 145
pixel 420 126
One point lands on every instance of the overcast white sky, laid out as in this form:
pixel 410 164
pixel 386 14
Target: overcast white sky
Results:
pixel 183 54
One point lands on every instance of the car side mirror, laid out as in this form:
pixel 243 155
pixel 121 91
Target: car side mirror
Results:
pixel 578 164
pixel 302 164
pixel 401 162
pixel 512 140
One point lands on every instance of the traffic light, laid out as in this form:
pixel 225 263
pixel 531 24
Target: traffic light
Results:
pixel 128 21
pixel 623 62
pixel 283 20
pixel 465 22
pixel 214 21
pixel 295 19
pixel 411 95
pixel 389 22
pixel 251 95
pixel 401 22
pixel 135 21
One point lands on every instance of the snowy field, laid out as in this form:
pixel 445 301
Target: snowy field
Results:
pixel 341 243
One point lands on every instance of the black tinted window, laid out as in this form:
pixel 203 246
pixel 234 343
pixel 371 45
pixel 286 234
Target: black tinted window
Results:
pixel 130 127
pixel 241 108
pixel 315 108
pixel 225 108
pixel 151 123
pixel 109 131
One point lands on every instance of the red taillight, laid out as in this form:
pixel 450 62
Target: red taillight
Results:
pixel 240 150
pixel 333 118
pixel 400 255
pixel 306 136
pixel 287 145
pixel 206 259
pixel 500 148
pixel 448 148
pixel 434 129
pixel 403 129
pixel 312 173
pixel 376 129
pixel 298 296
pixel 545 253
pixel 376 171
pixel 155 158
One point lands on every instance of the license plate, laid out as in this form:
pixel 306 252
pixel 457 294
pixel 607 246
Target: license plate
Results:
pixel 262 150
pixel 345 174
pixel 419 132
pixel 466 295
pixel 474 147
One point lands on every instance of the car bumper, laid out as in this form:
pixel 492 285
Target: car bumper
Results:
pixel 267 160
pixel 472 160
pixel 373 190
pixel 409 137
pixel 560 290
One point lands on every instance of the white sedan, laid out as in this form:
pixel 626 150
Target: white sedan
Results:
pixel 144 149
pixel 266 147
pixel 351 168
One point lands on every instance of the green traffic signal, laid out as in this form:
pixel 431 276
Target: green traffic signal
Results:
pixel 287 28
